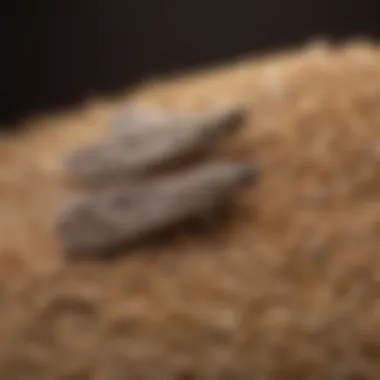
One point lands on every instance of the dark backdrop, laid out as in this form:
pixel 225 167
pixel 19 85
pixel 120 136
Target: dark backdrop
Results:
pixel 57 52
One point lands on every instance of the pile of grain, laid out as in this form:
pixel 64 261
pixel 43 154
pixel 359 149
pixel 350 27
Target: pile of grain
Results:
pixel 288 289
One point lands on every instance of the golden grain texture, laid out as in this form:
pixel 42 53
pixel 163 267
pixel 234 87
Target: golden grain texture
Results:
pixel 288 289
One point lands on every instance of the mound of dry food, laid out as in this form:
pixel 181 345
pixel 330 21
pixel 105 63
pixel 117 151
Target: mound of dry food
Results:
pixel 287 288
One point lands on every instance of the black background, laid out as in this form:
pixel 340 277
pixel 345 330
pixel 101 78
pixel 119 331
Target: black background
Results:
pixel 55 53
